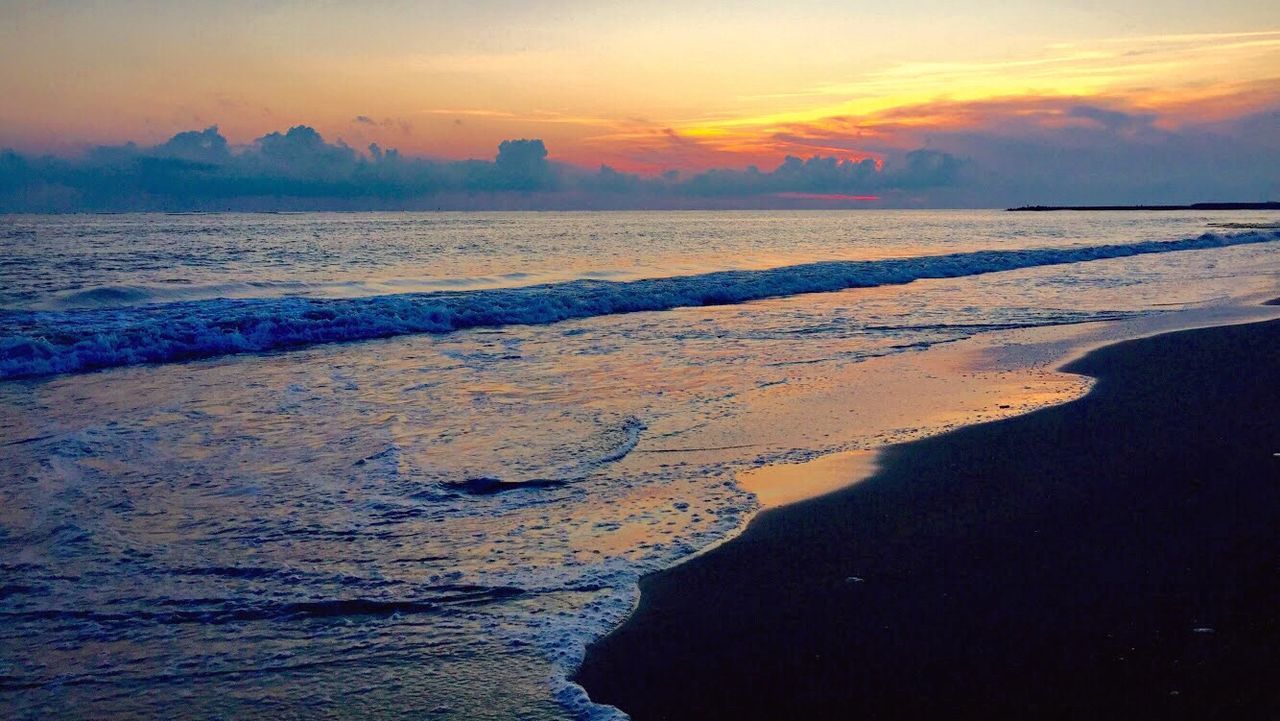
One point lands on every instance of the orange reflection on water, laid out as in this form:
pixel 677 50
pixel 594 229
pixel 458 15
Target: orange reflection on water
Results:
pixel 790 482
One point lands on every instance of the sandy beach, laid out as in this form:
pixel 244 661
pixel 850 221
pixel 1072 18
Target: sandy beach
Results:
pixel 568 361
pixel 1114 557
pixel 438 524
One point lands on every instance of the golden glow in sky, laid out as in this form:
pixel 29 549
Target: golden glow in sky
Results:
pixel 639 86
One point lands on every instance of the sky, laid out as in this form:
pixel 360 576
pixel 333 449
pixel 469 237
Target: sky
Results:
pixel 1022 93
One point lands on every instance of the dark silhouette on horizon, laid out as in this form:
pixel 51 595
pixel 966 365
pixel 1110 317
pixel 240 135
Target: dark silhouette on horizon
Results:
pixel 1268 205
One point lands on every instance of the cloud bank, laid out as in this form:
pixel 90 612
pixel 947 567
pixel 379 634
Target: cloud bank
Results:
pixel 299 169
pixel 993 153
pixel 1069 151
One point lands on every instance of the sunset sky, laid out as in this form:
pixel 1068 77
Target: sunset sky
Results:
pixel 644 87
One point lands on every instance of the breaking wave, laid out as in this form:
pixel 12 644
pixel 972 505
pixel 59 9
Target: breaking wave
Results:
pixel 36 343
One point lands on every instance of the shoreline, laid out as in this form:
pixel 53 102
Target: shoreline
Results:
pixel 731 584
pixel 1264 205
pixel 1003 375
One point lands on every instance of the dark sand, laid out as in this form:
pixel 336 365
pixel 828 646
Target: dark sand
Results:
pixel 1117 557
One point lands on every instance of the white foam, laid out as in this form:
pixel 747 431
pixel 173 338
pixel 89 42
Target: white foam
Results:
pixel 35 343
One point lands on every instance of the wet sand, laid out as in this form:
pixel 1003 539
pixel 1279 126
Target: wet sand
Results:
pixel 1115 557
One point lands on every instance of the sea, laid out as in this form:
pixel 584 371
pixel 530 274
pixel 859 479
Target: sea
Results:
pixel 409 465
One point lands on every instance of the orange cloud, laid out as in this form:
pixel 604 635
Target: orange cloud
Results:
pixel 898 129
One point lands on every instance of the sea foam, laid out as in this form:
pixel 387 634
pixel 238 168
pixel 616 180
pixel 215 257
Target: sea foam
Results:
pixel 37 343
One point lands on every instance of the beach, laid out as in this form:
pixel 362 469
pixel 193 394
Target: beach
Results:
pixel 384 465
pixel 1114 557
pixel 569 361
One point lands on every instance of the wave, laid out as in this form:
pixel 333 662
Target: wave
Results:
pixel 37 343
pixel 125 295
pixel 220 611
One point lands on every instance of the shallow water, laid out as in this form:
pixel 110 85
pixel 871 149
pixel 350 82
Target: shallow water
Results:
pixel 333 531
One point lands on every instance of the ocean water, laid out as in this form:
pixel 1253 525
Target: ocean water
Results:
pixel 409 465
